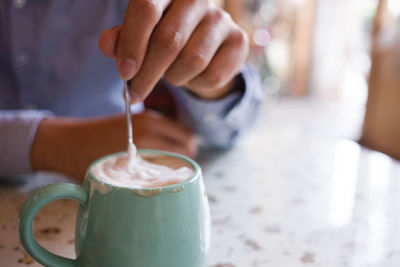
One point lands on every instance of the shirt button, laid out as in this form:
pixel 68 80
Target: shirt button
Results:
pixel 23 58
pixel 19 3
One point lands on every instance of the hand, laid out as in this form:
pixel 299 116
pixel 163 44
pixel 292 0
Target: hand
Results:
pixel 69 146
pixel 194 44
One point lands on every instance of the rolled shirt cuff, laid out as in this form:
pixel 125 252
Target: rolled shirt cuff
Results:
pixel 220 122
pixel 17 133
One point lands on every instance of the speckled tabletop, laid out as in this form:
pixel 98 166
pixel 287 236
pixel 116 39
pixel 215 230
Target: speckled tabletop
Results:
pixel 295 192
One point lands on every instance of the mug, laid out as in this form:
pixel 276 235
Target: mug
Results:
pixel 118 226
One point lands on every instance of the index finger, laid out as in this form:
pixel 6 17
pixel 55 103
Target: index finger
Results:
pixel 140 19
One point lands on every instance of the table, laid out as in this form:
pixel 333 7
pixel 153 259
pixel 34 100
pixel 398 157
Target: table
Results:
pixel 295 192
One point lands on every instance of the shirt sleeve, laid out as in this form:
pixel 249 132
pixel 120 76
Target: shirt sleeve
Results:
pixel 220 122
pixel 17 133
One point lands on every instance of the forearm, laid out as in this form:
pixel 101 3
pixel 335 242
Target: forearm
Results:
pixel 51 146
pixel 68 146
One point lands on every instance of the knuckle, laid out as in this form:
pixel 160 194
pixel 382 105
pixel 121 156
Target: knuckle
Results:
pixel 213 79
pixel 194 61
pixel 169 39
pixel 150 8
pixel 172 79
pixel 219 14
pixel 240 37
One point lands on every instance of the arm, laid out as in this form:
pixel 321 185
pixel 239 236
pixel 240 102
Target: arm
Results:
pixel 38 141
pixel 193 45
pixel 69 146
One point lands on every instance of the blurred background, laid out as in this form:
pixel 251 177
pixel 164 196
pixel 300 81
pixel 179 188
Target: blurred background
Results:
pixel 334 64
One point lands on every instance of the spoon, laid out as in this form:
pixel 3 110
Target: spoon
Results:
pixel 131 146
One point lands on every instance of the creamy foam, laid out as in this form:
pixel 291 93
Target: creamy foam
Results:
pixel 137 172
pixel 132 152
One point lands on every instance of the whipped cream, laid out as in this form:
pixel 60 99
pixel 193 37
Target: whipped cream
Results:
pixel 135 172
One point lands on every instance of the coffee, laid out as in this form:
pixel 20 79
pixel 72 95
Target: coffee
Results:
pixel 142 171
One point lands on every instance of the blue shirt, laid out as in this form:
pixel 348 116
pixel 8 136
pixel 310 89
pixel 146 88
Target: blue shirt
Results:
pixel 50 65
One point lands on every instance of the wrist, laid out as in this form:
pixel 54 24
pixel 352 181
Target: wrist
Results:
pixel 50 146
pixel 39 148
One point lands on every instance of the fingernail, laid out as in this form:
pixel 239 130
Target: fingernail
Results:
pixel 127 68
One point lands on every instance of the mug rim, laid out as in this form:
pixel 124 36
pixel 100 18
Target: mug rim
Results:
pixel 161 189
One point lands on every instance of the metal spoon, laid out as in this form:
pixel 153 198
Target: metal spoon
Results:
pixel 131 146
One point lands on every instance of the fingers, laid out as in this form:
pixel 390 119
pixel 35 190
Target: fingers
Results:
pixel 108 41
pixel 225 64
pixel 168 128
pixel 199 51
pixel 159 132
pixel 140 19
pixel 190 43
pixel 167 40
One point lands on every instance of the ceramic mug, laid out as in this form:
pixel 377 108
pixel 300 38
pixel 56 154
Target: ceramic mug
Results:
pixel 116 226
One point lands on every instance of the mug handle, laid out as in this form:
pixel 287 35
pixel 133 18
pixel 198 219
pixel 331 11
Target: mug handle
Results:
pixel 31 208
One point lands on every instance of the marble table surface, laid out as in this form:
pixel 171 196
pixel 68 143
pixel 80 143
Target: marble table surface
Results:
pixel 297 191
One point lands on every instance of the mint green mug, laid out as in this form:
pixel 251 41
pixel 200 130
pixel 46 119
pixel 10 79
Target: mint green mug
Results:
pixel 116 226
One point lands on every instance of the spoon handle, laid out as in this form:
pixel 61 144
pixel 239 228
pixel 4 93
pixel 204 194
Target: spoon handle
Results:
pixel 128 112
